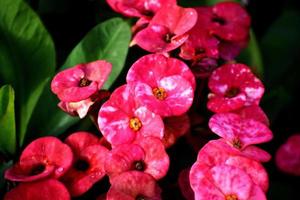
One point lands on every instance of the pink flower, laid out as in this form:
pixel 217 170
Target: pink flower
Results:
pixel 164 85
pixel 78 87
pixel 239 132
pixel 231 21
pixel 44 157
pixel 48 189
pixel 233 86
pixel 223 182
pixel 146 155
pixel 121 119
pixel 88 165
pixel 288 156
pixel 201 44
pixel 253 112
pixel 168 29
pixel 215 151
pixel 133 185
pixel 175 127
pixel 138 8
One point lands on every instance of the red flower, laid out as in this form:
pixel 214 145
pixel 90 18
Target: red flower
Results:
pixel 231 21
pixel 88 165
pixel 253 112
pixel 223 182
pixel 288 156
pixel 239 132
pixel 138 8
pixel 78 87
pixel 48 189
pixel 167 30
pixel 133 185
pixel 201 44
pixel 164 85
pixel 233 86
pixel 44 157
pixel 147 155
pixel 121 119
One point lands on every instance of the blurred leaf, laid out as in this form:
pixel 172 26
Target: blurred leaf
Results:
pixel 252 56
pixel 280 47
pixel 3 167
pixel 194 3
pixel 27 57
pixel 107 41
pixel 7 120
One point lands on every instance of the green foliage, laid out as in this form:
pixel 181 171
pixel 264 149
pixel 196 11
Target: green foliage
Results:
pixel 107 41
pixel 27 57
pixel 7 120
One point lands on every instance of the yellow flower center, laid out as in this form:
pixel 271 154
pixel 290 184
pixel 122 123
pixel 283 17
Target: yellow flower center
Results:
pixel 159 93
pixel 231 197
pixel 135 123
pixel 84 82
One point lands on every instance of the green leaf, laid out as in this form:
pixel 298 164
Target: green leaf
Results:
pixel 193 3
pixel 107 41
pixel 27 57
pixel 252 56
pixel 7 120
pixel 3 167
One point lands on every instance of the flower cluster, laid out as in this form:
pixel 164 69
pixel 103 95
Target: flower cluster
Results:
pixel 142 118
pixel 230 168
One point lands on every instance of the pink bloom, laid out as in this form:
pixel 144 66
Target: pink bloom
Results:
pixel 216 151
pixel 138 8
pixel 48 189
pixel 230 50
pixel 223 182
pixel 288 156
pixel 164 85
pixel 44 157
pixel 233 86
pixel 147 155
pixel 201 44
pixel 133 185
pixel 78 87
pixel 88 165
pixel 175 127
pixel 239 132
pixel 231 21
pixel 253 112
pixel 168 29
pixel 121 119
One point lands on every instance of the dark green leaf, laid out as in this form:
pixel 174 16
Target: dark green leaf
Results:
pixel 7 120
pixel 107 41
pixel 27 57
pixel 3 167
pixel 252 56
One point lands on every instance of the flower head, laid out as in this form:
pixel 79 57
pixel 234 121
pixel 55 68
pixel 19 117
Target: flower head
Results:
pixel 121 119
pixel 88 165
pixel 44 157
pixel 233 86
pixel 288 156
pixel 168 29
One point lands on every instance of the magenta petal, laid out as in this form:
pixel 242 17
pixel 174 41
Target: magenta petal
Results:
pixel 231 127
pixel 131 184
pixel 152 123
pixel 121 159
pixel 81 140
pixel 78 181
pixel 156 159
pixel 255 153
pixel 44 157
pixel 179 96
pixel 253 168
pixel 253 112
pixel 48 189
pixel 288 156
pixel 151 68
pixel 152 39
pixel 114 124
